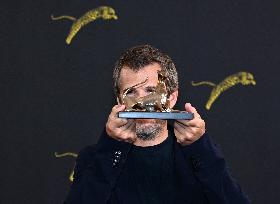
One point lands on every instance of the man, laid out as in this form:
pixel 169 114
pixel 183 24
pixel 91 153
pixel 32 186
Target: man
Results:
pixel 145 160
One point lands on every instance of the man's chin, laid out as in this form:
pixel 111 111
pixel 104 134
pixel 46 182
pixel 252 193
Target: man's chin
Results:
pixel 148 129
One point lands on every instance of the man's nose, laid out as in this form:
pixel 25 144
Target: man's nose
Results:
pixel 141 93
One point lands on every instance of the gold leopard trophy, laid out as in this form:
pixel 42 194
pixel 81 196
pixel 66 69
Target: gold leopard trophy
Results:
pixel 154 105
pixel 157 101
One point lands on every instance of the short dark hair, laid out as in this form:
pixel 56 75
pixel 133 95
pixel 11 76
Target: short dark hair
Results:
pixel 140 56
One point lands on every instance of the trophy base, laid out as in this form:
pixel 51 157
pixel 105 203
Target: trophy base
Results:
pixel 156 115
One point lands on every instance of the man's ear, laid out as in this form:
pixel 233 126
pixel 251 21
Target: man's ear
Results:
pixel 173 98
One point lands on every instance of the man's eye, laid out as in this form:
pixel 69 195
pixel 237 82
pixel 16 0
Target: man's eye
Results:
pixel 151 90
pixel 130 92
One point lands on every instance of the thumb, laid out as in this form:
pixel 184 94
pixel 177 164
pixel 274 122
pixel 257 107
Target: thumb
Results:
pixel 189 107
pixel 120 108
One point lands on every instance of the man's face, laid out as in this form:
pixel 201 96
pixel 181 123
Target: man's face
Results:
pixel 146 129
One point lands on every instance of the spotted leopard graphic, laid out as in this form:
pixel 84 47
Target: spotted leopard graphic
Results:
pixel 102 12
pixel 243 78
pixel 71 154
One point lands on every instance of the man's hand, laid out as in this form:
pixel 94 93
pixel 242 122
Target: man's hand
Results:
pixel 119 128
pixel 188 131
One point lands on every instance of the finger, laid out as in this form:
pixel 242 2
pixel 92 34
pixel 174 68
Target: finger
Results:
pixel 128 125
pixel 178 127
pixel 129 134
pixel 132 130
pixel 190 108
pixel 198 123
pixel 117 122
pixel 185 130
pixel 177 134
pixel 191 123
pixel 116 109
pixel 181 138
pixel 183 122
pixel 130 140
pixel 114 120
pixel 129 128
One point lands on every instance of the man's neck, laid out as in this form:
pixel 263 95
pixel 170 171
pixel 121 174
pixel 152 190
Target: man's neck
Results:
pixel 157 140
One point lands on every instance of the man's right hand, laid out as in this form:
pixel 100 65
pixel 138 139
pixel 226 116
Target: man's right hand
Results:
pixel 120 129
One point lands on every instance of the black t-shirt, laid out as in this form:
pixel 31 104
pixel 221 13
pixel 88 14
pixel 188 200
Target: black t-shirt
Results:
pixel 147 176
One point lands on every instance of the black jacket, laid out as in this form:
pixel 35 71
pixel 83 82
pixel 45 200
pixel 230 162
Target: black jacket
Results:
pixel 200 168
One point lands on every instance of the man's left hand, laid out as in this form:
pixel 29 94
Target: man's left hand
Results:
pixel 188 131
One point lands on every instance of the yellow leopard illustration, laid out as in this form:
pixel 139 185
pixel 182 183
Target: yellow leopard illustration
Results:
pixel 103 12
pixel 244 78
pixel 71 177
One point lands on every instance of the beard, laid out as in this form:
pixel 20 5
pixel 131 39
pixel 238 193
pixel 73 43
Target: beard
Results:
pixel 149 129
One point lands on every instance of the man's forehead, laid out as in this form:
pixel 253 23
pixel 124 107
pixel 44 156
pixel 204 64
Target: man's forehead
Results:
pixel 129 77
pixel 150 69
